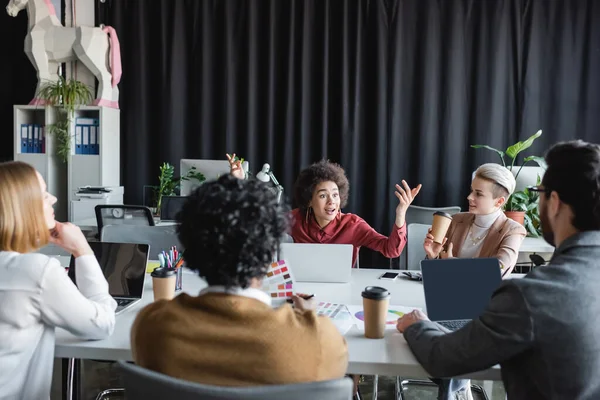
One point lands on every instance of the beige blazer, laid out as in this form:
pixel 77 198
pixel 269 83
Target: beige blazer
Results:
pixel 502 241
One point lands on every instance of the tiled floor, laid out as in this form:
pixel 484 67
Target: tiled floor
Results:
pixel 99 376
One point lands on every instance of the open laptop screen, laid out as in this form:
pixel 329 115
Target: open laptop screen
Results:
pixel 123 265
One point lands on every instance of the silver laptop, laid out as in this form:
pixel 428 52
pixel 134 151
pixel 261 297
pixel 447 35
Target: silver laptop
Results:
pixel 124 267
pixel 458 290
pixel 330 263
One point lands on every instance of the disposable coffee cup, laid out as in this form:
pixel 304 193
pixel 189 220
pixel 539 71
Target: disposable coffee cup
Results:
pixel 376 301
pixel 163 283
pixel 440 225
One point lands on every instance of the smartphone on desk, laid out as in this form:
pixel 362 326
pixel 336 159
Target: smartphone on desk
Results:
pixel 389 276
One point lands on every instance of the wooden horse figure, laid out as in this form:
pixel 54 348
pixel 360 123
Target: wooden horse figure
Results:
pixel 48 43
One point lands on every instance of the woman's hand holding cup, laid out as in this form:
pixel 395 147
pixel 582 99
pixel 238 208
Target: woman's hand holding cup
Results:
pixel 432 249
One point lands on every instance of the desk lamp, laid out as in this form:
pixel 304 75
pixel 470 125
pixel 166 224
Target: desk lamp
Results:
pixel 266 175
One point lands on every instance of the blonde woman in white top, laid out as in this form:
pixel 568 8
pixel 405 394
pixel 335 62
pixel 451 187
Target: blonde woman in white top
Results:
pixel 35 292
pixel 484 231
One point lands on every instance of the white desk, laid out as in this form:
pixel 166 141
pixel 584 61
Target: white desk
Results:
pixel 535 245
pixel 91 224
pixel 388 356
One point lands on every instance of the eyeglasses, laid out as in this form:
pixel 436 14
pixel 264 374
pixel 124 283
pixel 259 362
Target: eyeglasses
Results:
pixel 538 189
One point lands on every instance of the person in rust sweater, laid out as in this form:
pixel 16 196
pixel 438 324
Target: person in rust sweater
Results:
pixel 229 334
pixel 320 192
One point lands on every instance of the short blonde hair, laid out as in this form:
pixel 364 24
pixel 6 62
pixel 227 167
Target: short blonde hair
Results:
pixel 23 225
pixel 503 179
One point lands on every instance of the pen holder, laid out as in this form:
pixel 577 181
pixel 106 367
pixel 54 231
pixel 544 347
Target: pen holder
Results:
pixel 179 279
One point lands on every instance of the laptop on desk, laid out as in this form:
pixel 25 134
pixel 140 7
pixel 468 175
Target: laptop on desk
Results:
pixel 316 262
pixel 124 267
pixel 458 290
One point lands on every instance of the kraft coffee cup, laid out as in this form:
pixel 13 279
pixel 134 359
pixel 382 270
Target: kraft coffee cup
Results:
pixel 440 225
pixel 376 301
pixel 163 283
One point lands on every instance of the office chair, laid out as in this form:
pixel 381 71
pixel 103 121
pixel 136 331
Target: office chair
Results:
pixel 424 215
pixel 120 214
pixel 414 245
pixel 157 237
pixel 143 384
pixel 419 215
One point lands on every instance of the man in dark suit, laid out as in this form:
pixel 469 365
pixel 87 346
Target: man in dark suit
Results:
pixel 543 329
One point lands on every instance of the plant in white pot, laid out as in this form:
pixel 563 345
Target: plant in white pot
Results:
pixel 520 206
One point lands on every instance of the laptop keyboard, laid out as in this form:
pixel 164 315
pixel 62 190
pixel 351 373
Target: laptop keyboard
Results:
pixel 454 325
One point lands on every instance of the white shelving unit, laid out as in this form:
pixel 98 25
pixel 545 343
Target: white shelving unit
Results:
pixel 48 164
pixel 63 180
pixel 104 168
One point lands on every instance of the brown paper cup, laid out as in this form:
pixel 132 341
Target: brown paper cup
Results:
pixel 375 317
pixel 164 288
pixel 376 301
pixel 440 225
pixel 163 283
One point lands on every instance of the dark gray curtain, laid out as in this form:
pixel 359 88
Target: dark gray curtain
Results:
pixel 390 89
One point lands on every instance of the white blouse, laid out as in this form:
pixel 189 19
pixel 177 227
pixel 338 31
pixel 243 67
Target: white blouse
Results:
pixel 36 296
pixel 477 233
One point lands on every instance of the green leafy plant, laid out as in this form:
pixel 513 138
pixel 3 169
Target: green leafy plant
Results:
pixel 532 215
pixel 168 184
pixel 523 200
pixel 66 95
pixel 513 151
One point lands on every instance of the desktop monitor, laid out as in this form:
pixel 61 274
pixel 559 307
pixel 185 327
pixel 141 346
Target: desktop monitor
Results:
pixel 170 207
pixel 211 169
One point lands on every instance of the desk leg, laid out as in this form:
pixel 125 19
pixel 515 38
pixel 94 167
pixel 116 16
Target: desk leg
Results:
pixel 71 379
pixel 375 386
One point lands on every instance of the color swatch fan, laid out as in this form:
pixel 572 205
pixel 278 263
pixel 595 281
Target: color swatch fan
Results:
pixel 279 282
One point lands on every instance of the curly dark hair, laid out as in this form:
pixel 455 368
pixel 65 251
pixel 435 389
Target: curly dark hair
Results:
pixel 309 178
pixel 574 173
pixel 231 229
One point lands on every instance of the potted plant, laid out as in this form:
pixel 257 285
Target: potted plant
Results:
pixel 66 95
pixel 521 206
pixel 168 184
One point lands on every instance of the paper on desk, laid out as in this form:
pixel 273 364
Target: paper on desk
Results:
pixel 394 312
pixel 338 313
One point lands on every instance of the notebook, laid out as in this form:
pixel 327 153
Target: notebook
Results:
pixel 124 267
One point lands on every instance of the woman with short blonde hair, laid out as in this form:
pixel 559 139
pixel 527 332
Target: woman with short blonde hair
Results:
pixel 36 293
pixel 484 231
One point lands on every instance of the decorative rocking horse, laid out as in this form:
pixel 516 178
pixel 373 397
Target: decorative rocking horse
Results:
pixel 48 43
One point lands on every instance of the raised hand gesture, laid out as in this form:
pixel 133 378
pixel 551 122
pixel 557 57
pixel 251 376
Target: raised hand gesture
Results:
pixel 405 196
pixel 235 167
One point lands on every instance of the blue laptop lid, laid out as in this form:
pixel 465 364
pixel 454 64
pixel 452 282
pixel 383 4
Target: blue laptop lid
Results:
pixel 459 288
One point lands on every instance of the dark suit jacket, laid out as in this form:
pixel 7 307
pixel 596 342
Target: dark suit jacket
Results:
pixel 543 330
pixel 502 241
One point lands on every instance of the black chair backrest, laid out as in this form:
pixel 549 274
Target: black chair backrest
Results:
pixel 120 214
